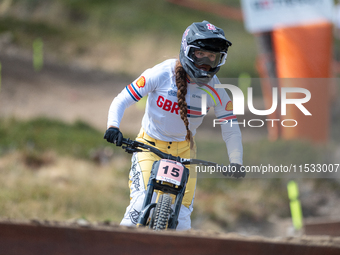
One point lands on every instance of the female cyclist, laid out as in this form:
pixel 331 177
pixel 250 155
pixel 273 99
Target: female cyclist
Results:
pixel 173 112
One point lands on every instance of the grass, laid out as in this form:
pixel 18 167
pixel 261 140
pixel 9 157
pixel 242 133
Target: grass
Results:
pixel 130 32
pixel 39 135
pixel 65 189
pixel 55 171
pixel 120 35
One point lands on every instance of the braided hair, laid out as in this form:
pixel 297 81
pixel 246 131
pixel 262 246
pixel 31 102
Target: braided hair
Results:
pixel 181 83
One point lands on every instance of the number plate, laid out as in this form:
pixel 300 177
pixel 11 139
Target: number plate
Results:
pixel 170 171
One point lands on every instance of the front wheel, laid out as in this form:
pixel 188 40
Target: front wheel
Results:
pixel 162 212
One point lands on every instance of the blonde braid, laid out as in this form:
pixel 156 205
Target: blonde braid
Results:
pixel 181 84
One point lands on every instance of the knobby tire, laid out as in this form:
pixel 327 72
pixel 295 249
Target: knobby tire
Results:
pixel 162 212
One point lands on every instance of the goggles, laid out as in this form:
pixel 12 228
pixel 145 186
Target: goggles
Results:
pixel 205 57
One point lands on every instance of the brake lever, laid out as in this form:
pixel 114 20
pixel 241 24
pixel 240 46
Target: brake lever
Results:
pixel 131 150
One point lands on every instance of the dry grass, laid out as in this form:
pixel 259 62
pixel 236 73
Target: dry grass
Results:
pixel 62 189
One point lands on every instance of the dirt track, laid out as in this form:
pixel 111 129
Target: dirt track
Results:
pixel 50 238
pixel 60 92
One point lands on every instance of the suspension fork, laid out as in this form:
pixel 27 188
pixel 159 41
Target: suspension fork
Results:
pixel 173 221
pixel 147 206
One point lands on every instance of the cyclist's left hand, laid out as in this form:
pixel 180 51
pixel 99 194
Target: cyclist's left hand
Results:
pixel 235 170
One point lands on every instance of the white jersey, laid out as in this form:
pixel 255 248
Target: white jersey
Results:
pixel 162 119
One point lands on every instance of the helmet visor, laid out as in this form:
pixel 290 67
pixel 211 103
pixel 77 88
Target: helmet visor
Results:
pixel 205 57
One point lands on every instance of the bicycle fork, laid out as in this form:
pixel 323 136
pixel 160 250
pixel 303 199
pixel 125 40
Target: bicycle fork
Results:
pixel 153 185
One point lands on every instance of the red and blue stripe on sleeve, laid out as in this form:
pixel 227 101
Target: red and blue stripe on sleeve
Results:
pixel 133 92
pixel 229 116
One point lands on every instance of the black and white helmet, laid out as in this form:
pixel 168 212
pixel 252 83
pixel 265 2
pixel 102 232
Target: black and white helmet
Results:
pixel 206 37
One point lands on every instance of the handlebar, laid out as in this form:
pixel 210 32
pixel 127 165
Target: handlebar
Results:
pixel 132 146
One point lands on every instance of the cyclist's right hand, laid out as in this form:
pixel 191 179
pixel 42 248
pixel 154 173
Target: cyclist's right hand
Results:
pixel 113 135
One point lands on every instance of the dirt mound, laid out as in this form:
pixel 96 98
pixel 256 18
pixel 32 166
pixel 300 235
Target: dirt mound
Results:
pixel 83 238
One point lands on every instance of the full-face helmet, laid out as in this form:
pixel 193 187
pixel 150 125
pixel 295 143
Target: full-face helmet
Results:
pixel 203 44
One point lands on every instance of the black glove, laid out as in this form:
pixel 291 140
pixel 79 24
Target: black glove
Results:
pixel 235 170
pixel 113 135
